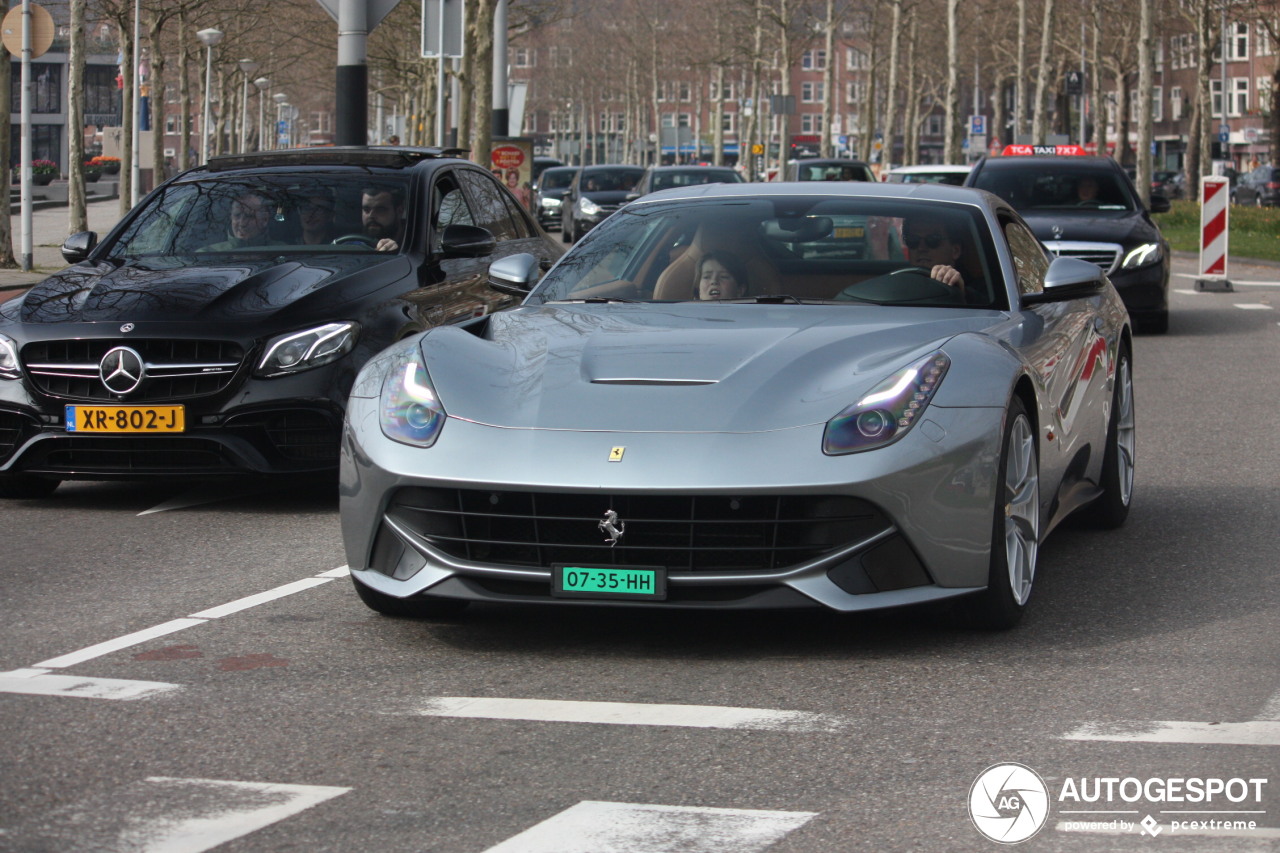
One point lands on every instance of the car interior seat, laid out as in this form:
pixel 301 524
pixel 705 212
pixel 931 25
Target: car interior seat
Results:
pixel 679 281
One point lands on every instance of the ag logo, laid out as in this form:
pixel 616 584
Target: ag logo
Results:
pixel 1008 803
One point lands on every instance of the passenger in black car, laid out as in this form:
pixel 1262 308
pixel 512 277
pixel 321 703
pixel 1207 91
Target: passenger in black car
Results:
pixel 250 216
pixel 315 215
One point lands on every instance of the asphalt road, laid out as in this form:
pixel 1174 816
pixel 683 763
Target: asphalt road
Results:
pixel 301 721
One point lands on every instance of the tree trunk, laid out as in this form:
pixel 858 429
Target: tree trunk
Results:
pixel 828 81
pixel 1020 76
pixel 1146 71
pixel 1038 117
pixel 951 139
pixel 482 74
pixel 125 26
pixel 891 96
pixel 77 218
pixel 186 151
pixel 159 172
pixel 7 260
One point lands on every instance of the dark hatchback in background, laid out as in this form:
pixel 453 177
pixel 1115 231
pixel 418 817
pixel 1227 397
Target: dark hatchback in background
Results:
pixel 549 191
pixel 177 347
pixel 819 169
pixel 667 177
pixel 595 194
pixel 1261 187
pixel 1086 207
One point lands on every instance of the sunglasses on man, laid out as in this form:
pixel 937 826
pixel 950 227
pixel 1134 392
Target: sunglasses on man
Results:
pixel 933 241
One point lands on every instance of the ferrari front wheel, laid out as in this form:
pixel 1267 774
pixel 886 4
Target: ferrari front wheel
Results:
pixel 1015 529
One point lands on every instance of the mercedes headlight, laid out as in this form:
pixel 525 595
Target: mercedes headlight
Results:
pixel 890 409
pixel 1147 253
pixel 587 207
pixel 551 203
pixel 298 351
pixel 8 358
pixel 409 410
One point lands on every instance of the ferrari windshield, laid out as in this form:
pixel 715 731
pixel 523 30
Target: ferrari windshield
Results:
pixel 318 212
pixel 784 248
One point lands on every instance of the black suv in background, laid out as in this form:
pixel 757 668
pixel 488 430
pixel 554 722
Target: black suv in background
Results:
pixel 218 327
pixel 1087 207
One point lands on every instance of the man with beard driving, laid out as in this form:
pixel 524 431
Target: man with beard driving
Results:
pixel 382 216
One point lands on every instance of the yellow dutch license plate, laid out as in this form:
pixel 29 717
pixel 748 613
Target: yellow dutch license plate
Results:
pixel 850 233
pixel 126 419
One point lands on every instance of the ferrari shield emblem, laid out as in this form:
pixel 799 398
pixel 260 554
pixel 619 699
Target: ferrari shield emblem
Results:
pixel 615 455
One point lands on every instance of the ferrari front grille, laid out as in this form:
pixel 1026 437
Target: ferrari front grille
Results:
pixel 696 533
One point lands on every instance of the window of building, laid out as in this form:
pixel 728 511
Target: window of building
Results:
pixel 814 60
pixel 933 124
pixel 1175 103
pixel 856 60
pixel 810 123
pixel 1264 95
pixel 855 91
pixel 685 120
pixel 727 93
pixel 813 92
pixel 1159 56
pixel 561 56
pixel 1239 104
pixel 522 57
pixel 46 80
pixel 1266 46
pixel 668 119
pixel 101 97
pixel 686 93
pixel 1238 41
pixel 1157 103
pixel 728 122
pixel 1215 98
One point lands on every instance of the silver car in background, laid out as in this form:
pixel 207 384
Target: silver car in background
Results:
pixel 847 433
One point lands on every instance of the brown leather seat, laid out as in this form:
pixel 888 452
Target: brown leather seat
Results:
pixel 679 281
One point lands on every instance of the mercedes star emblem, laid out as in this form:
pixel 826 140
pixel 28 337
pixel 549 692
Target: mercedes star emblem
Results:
pixel 126 328
pixel 121 370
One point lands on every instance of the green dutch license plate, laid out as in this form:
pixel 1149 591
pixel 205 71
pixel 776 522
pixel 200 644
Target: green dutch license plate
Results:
pixel 648 583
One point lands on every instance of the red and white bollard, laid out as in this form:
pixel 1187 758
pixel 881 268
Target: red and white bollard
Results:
pixel 1215 192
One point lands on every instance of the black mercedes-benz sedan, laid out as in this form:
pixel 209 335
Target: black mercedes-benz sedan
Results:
pixel 1088 208
pixel 218 327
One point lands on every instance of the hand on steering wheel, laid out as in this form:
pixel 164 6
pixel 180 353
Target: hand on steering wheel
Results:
pixel 353 238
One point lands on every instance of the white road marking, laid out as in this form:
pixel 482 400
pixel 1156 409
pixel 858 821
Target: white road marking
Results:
pixel 100 649
pixel 166 815
pixel 628 714
pixel 1234 282
pixel 1164 830
pixel 259 598
pixel 38 680
pixel 43 683
pixel 1271 710
pixel 1254 733
pixel 600 827
pixel 1189 292
pixel 1253 306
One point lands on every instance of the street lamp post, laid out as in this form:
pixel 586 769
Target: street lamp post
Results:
pixel 209 38
pixel 262 83
pixel 280 98
pixel 247 66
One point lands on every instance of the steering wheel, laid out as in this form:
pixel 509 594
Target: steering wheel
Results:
pixel 354 238
pixel 906 284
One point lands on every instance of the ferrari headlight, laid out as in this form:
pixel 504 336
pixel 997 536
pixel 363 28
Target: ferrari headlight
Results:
pixel 1147 253
pixel 8 358
pixel 886 413
pixel 409 410
pixel 588 207
pixel 298 351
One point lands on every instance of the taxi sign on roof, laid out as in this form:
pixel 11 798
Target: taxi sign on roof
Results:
pixel 1052 150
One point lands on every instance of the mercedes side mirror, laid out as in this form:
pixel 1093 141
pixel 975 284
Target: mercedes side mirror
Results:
pixel 78 246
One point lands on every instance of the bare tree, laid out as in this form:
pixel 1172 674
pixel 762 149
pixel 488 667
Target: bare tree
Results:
pixel 7 260
pixel 77 217
pixel 1039 115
